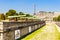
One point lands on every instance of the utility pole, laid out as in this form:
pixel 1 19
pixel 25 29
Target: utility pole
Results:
pixel 34 9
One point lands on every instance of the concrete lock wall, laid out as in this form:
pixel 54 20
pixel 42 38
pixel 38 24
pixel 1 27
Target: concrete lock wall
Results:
pixel 1 30
pixel 36 27
pixel 32 28
pixel 39 25
pixel 1 26
pixel 9 35
pixel 17 34
pixel 1 36
pixel 24 31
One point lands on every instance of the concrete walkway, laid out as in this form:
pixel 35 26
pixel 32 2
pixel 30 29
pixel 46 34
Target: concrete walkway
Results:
pixel 58 28
pixel 48 32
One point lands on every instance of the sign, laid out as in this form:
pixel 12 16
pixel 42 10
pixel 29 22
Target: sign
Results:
pixel 17 34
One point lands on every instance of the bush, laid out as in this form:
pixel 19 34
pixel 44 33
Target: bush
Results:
pixel 55 18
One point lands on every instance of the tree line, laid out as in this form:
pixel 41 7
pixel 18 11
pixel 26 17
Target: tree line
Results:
pixel 56 18
pixel 12 12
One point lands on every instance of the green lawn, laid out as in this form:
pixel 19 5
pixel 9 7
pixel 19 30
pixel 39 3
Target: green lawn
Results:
pixel 48 32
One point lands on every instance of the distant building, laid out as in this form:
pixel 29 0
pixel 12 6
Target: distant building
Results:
pixel 56 14
pixel 45 15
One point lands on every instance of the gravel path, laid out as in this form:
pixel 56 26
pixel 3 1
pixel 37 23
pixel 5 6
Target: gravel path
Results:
pixel 48 32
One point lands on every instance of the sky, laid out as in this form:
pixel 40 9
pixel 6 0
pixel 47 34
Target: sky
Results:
pixel 27 6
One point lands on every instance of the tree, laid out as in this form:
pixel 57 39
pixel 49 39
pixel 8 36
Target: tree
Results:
pixel 11 12
pixel 58 18
pixel 2 17
pixel 16 14
pixel 21 13
pixel 55 19
pixel 28 15
pixel 49 12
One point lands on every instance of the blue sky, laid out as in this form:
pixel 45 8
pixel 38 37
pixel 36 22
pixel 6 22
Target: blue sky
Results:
pixel 27 6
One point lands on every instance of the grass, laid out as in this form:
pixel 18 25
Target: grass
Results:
pixel 48 32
